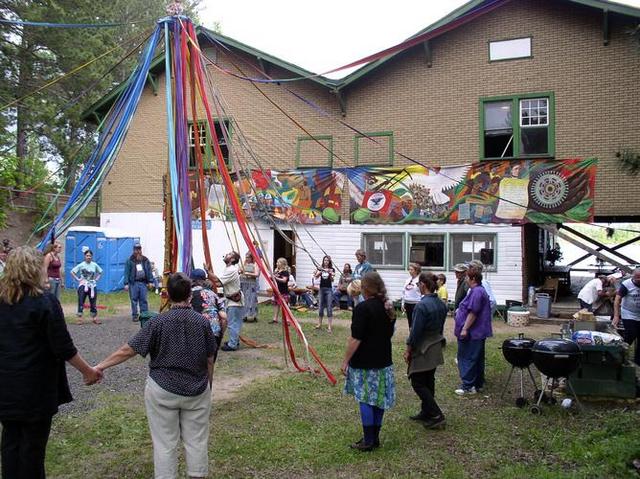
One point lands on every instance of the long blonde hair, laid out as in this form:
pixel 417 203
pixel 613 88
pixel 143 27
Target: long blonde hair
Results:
pixel 282 265
pixel 23 275
pixel 373 286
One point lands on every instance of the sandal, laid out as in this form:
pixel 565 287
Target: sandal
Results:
pixel 96 321
pixel 317 326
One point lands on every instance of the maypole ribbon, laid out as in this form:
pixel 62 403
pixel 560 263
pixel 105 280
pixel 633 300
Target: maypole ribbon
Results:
pixel 241 221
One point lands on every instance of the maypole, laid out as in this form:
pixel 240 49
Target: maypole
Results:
pixel 183 64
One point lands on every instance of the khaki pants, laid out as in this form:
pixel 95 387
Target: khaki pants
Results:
pixel 171 417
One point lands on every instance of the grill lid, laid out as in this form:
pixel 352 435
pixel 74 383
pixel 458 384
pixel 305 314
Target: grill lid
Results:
pixel 556 346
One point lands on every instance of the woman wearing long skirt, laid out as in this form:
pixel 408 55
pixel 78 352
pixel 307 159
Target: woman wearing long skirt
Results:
pixel 367 362
pixel 249 286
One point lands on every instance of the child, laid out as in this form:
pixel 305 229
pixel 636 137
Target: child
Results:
pixel 281 275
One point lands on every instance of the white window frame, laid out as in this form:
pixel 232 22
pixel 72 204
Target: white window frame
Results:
pixel 510 49
pixel 529 108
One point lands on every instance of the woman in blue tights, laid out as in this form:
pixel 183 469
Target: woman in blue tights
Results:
pixel 367 363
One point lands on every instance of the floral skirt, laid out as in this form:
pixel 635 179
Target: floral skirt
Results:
pixel 250 291
pixel 376 387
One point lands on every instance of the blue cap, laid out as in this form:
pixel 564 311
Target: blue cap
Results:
pixel 198 274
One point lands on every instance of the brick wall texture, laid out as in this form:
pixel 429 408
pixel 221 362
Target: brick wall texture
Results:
pixel 432 112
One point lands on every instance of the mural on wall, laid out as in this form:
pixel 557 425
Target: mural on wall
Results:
pixel 309 196
pixel 501 191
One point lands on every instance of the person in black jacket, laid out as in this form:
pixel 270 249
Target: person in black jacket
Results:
pixel 367 361
pixel 34 344
pixel 138 275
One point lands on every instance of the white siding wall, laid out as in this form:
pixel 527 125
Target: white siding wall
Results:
pixel 340 242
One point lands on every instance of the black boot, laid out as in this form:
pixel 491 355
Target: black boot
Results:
pixel 367 443
pixel 376 436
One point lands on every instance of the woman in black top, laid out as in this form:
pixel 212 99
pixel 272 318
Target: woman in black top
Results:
pixel 281 275
pixel 325 294
pixel 367 363
pixel 34 344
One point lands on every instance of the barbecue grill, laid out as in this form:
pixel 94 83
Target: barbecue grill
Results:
pixel 555 358
pixel 518 352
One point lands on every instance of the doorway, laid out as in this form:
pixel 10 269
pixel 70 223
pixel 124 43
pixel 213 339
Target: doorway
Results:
pixel 284 248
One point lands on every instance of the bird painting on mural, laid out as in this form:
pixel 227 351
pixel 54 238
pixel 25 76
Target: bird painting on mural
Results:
pixel 437 181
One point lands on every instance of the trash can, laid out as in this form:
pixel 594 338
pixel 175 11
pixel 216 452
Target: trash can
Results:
pixel 146 316
pixel 543 309
pixel 518 317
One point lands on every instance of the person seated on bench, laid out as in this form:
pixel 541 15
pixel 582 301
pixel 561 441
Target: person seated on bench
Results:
pixel 340 290
pixel 303 294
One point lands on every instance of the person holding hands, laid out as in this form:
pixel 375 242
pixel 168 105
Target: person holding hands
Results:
pixel 325 296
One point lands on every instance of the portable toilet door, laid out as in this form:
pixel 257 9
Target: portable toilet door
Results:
pixel 73 254
pixel 117 252
pixel 101 256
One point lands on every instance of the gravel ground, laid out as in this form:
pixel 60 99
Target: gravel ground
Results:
pixel 95 342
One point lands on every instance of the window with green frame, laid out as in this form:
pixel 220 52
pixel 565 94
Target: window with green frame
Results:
pixel 375 149
pixel 517 126
pixel 384 250
pixel 314 151
pixel 465 247
pixel 206 145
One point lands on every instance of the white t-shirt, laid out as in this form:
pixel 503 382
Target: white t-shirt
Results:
pixel 411 292
pixel 230 279
pixel 589 292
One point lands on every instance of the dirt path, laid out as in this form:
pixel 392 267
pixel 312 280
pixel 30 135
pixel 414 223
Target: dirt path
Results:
pixel 95 342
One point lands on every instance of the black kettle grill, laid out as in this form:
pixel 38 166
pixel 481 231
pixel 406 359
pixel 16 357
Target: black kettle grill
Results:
pixel 555 358
pixel 518 352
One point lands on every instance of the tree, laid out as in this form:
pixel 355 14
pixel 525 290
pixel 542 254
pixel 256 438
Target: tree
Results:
pixel 48 124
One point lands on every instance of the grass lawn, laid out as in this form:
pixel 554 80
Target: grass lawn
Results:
pixel 108 304
pixel 286 424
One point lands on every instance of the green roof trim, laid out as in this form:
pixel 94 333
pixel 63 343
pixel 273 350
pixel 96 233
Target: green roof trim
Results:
pixel 604 5
pixel 102 105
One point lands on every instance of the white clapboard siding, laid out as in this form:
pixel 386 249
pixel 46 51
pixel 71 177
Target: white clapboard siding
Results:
pixel 341 241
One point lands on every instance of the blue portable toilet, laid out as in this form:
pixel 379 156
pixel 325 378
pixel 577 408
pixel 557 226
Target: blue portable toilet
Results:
pixel 110 248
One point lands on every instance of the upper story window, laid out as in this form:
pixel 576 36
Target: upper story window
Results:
pixel 314 151
pixel 510 49
pixel 206 143
pixel 374 149
pixel 517 126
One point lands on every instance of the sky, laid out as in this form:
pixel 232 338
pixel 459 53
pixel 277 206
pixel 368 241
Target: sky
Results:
pixel 323 35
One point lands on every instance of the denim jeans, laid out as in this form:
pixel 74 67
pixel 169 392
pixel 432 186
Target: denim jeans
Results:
pixel 471 363
pixel 138 294
pixel 338 295
pixel 325 300
pixel 93 300
pixel 54 287
pixel 234 325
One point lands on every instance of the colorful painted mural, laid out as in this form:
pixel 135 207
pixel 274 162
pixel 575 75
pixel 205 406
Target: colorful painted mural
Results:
pixel 312 196
pixel 504 191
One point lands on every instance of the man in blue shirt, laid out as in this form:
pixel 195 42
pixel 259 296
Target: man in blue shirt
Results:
pixel 362 268
pixel 137 276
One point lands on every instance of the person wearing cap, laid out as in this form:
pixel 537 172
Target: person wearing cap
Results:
pixel 462 287
pixel 137 277
pixel 206 302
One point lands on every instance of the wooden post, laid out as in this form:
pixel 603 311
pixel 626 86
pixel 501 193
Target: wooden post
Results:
pixel 168 241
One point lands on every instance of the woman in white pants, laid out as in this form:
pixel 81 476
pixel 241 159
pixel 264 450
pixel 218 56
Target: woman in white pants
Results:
pixel 178 391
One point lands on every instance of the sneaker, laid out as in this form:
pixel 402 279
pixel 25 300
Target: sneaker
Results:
pixel 435 423
pixel 466 392
pixel 135 319
pixel 226 347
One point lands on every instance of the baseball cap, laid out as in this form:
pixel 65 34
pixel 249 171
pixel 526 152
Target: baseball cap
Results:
pixel 137 245
pixel 460 267
pixel 198 274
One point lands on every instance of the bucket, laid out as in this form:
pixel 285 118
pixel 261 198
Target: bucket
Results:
pixel 518 317
pixel 543 309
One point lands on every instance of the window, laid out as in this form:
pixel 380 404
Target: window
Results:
pixel 314 151
pixel 517 126
pixel 469 247
pixel 510 49
pixel 374 149
pixel 427 250
pixel 205 141
pixel 385 249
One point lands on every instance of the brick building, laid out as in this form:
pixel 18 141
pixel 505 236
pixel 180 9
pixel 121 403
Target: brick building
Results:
pixel 435 102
